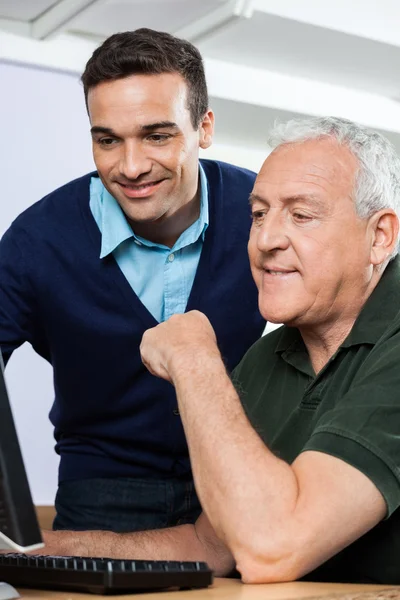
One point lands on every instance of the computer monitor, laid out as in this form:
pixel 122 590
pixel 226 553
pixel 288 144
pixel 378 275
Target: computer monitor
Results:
pixel 19 529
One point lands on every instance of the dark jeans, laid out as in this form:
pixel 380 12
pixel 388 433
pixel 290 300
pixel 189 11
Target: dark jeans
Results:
pixel 123 505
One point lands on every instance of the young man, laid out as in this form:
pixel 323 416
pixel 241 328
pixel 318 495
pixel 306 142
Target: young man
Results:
pixel 85 271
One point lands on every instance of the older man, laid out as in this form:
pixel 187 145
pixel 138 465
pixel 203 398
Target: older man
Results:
pixel 308 482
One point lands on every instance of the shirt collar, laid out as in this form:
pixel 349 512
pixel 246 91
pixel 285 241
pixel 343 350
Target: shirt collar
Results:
pixel 115 228
pixel 375 317
pixel 198 229
pixel 379 310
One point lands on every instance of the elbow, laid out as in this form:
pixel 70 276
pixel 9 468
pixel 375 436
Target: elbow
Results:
pixel 269 563
pixel 254 571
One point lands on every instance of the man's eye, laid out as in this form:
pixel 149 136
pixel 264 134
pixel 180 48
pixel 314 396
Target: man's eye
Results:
pixel 107 141
pixel 301 217
pixel 257 216
pixel 158 137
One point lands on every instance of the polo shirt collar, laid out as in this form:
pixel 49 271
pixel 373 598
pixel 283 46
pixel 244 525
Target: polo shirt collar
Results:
pixel 115 228
pixel 376 315
pixel 379 310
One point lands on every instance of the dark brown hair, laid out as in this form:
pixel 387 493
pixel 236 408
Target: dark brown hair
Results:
pixel 150 52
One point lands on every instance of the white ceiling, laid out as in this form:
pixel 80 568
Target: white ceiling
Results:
pixel 279 44
pixel 120 15
pixel 26 10
pixel 265 59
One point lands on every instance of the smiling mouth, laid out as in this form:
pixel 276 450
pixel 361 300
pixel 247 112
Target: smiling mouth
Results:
pixel 142 186
pixel 141 190
pixel 277 273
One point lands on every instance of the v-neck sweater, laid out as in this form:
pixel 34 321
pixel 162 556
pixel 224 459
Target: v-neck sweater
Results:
pixel 111 417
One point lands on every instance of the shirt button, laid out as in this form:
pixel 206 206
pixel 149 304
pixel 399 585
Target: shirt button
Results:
pixel 176 412
pixel 171 257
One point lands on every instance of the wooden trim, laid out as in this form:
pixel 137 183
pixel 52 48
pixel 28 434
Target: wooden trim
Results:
pixel 45 515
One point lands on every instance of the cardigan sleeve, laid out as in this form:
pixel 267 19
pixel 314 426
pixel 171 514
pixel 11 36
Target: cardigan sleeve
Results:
pixel 17 302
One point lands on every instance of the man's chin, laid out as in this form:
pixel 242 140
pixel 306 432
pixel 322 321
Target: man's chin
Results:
pixel 278 317
pixel 141 211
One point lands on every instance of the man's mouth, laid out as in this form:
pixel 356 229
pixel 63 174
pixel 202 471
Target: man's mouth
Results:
pixel 141 190
pixel 273 272
pixel 135 186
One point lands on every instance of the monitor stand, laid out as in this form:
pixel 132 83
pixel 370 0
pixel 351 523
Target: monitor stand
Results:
pixel 7 592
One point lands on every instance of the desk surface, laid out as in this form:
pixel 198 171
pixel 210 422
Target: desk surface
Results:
pixel 231 589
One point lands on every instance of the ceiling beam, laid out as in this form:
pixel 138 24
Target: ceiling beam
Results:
pixel 15 26
pixel 216 20
pixel 269 89
pixel 59 16
pixel 369 19
pixel 65 53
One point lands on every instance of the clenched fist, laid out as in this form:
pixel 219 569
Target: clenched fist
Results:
pixel 177 343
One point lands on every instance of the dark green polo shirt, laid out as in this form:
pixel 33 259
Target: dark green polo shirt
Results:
pixel 350 410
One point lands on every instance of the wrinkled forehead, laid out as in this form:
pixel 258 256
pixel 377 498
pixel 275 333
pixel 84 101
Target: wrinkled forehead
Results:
pixel 320 166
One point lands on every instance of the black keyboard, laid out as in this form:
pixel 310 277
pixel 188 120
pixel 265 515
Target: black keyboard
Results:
pixel 101 575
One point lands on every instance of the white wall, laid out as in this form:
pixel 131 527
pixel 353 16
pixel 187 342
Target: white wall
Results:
pixel 45 143
pixel 237 155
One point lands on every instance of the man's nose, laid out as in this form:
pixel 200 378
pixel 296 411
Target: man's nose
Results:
pixel 273 234
pixel 133 161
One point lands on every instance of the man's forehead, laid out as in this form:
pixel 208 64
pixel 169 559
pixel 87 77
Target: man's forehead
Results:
pixel 165 91
pixel 314 163
pixel 325 152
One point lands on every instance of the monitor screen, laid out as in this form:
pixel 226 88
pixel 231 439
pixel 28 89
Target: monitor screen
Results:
pixel 19 529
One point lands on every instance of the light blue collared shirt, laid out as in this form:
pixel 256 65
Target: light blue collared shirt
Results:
pixel 161 277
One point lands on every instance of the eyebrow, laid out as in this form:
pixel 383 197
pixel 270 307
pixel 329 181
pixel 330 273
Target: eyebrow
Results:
pixel 144 128
pixel 159 125
pixel 255 198
pixel 98 129
pixel 309 198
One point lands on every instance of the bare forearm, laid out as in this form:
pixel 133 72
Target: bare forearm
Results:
pixel 237 478
pixel 166 544
pixel 182 543
pixel 271 515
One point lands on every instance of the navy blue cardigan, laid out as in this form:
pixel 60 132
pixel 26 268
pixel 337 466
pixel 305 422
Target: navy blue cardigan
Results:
pixel 111 417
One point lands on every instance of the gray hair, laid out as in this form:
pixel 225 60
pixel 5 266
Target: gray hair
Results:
pixel 377 183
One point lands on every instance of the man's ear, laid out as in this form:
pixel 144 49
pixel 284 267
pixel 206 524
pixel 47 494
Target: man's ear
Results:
pixel 206 130
pixel 384 228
